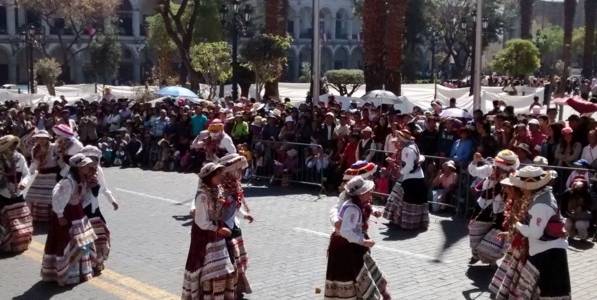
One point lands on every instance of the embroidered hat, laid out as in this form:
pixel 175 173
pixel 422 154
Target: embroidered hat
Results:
pixel 232 162
pixel 208 169
pixel 79 160
pixel 530 178
pixel 215 126
pixel 91 151
pixel 42 134
pixel 7 141
pixel 358 186
pixel 360 168
pixel 506 160
pixel 63 131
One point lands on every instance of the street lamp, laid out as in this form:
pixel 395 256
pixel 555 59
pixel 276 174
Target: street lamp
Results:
pixel 464 26
pixel 433 37
pixel 31 36
pixel 236 25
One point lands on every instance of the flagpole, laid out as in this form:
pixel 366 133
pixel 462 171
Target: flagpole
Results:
pixel 316 66
pixel 477 103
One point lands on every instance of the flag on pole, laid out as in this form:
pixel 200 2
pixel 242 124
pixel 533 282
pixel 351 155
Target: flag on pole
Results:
pixel 324 35
pixel 359 38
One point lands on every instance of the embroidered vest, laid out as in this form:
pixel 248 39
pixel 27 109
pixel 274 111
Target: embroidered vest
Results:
pixel 363 149
pixel 416 164
pixel 555 225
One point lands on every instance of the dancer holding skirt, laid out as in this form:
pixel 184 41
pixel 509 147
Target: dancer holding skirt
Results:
pixel 44 162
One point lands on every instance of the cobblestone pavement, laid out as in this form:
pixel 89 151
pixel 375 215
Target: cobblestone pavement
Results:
pixel 286 245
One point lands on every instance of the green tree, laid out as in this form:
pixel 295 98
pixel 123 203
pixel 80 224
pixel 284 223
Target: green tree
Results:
pixel 48 69
pixel 519 59
pixel 105 52
pixel 212 60
pixel 265 54
pixel 341 80
pixel 578 42
pixel 305 72
pixel 550 43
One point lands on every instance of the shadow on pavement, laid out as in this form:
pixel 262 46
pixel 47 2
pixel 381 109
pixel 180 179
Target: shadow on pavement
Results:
pixel 40 228
pixel 481 278
pixel 269 191
pixel 188 221
pixel 580 245
pixel 395 233
pixel 43 291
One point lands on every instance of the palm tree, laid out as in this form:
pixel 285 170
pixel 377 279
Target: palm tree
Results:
pixel 569 13
pixel 394 44
pixel 526 18
pixel 374 12
pixel 275 23
pixel 589 47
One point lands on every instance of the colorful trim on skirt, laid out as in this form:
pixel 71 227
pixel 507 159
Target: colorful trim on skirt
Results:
pixel 546 276
pixel 391 208
pixel 209 271
pixel 39 196
pixel 352 273
pixel 491 248
pixel 69 254
pixel 412 216
pixel 102 244
pixel 16 220
pixel 236 246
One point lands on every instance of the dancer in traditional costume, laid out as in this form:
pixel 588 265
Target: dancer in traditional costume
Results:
pixel 15 216
pixel 351 271
pixel 69 255
pixel 67 145
pixel 234 164
pixel 216 143
pixel 360 168
pixel 536 265
pixel 44 162
pixel 210 272
pixel 92 209
pixel 407 205
pixel 486 225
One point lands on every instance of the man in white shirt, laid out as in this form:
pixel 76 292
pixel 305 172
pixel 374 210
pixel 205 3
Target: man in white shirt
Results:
pixel 366 144
pixel 589 152
pixel 113 120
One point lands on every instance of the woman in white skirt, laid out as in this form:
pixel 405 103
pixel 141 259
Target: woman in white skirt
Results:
pixel 44 162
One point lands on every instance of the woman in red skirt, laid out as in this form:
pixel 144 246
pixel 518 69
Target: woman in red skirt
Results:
pixel 210 272
pixel 351 272
pixel 69 254
pixel 15 217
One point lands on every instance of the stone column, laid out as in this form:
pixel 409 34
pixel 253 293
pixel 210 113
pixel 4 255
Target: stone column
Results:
pixel 78 68
pixel 10 20
pixel 333 33
pixel 22 20
pixel 136 23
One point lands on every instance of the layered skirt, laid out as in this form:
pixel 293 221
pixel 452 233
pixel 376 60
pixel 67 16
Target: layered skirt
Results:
pixel 17 225
pixel 407 206
pixel 39 196
pixel 102 243
pixel 485 243
pixel 542 276
pixel 210 272
pixel 69 254
pixel 238 254
pixel 352 273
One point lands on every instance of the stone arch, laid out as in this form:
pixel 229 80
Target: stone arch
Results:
pixel 342 24
pixel 327 59
pixel 306 23
pixel 342 58
pixel 356 58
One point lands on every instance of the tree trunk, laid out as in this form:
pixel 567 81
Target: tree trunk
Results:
pixel 394 44
pixel 373 47
pixel 275 23
pixel 526 19
pixel 569 13
pixel 589 47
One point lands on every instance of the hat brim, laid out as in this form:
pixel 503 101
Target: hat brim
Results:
pixel 237 163
pixel 369 186
pixel 42 135
pixel 531 183
pixel 366 172
pixel 217 167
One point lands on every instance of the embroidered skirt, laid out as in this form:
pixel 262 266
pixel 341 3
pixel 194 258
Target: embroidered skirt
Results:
pixel 238 254
pixel 352 273
pixel 389 212
pixel 505 283
pixel 69 254
pixel 102 243
pixel 39 196
pixel 407 206
pixel 209 272
pixel 546 276
pixel 15 218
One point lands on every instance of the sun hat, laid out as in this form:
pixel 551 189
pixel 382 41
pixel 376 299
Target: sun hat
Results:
pixel 238 115
pixel 42 134
pixel 404 135
pixel 215 126
pixel 63 131
pixel 208 169
pixel 506 160
pixel 7 141
pixel 233 161
pixel 530 178
pixel 330 114
pixel 289 119
pixel 360 168
pixel 367 129
pixel 450 164
pixel 90 150
pixel 257 106
pixel 258 121
pixel 582 163
pixel 524 147
pixel 358 186
pixel 540 161
pixel 79 160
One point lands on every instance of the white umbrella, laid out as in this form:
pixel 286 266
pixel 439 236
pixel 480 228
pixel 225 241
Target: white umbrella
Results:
pixel 381 97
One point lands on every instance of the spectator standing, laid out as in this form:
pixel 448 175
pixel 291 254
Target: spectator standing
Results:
pixel 88 128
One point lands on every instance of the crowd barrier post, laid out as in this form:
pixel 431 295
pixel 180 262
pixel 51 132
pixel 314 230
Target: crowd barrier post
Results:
pixel 288 162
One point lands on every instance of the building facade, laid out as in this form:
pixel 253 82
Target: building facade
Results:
pixel 340 34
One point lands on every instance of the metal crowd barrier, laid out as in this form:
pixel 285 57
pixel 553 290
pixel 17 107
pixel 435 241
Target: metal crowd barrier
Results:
pixel 285 162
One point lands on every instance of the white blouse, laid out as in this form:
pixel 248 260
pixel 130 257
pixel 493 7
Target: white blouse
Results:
pixel 483 173
pixel 202 218
pixel 51 160
pixel 21 167
pixel 65 192
pixel 75 148
pixel 352 221
pixel 91 199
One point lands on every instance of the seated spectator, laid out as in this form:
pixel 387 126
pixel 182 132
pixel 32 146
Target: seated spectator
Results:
pixel 568 150
pixel 576 208
pixel 462 150
pixel 524 153
pixel 443 185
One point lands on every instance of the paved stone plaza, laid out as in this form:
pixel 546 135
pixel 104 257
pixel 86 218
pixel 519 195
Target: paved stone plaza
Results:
pixel 286 246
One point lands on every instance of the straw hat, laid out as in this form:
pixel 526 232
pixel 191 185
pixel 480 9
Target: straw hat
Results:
pixel 208 169
pixel 79 160
pixel 92 151
pixel 360 168
pixel 233 162
pixel 42 134
pixel 257 106
pixel 506 160
pixel 524 147
pixel 258 121
pixel 450 164
pixel 358 186
pixel 63 131
pixel 530 178
pixel 7 141
pixel 404 135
